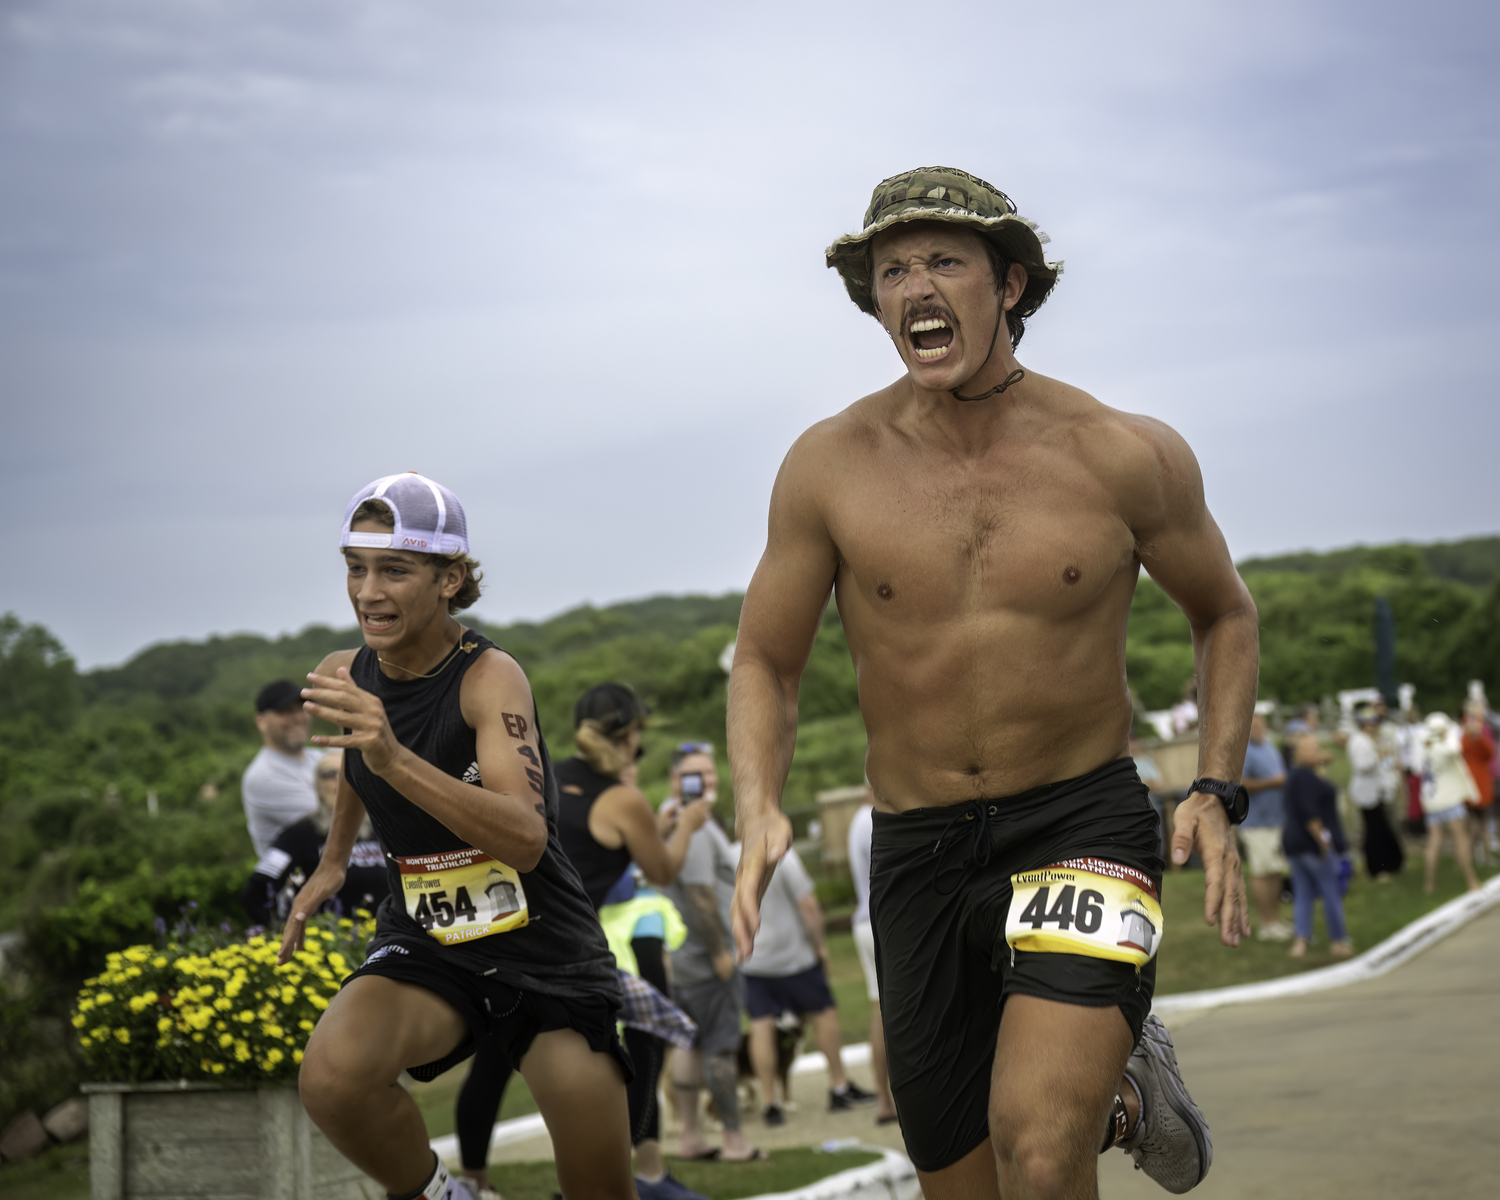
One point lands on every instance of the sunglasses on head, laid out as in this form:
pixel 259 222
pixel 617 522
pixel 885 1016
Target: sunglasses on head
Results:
pixel 332 773
pixel 695 748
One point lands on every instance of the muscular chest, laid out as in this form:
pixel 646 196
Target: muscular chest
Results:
pixel 1027 531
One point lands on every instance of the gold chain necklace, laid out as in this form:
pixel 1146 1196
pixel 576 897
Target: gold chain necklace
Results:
pixel 466 647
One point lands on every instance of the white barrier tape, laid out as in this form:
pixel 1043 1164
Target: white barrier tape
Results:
pixel 517 1129
pixel 893 1178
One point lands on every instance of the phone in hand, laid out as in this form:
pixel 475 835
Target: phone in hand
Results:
pixel 692 787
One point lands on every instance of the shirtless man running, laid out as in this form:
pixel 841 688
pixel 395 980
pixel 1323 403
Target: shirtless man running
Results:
pixel 982 528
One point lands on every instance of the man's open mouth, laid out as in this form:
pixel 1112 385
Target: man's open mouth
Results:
pixel 378 621
pixel 930 338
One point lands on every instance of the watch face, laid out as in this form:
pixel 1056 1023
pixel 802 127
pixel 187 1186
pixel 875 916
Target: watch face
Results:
pixel 1241 803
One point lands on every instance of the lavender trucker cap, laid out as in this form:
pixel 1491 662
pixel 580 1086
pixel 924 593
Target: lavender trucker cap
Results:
pixel 429 518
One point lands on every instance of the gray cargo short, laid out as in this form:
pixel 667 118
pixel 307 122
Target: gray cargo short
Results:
pixel 716 1007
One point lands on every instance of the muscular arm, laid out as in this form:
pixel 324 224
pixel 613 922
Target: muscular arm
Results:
pixel 1182 549
pixel 778 624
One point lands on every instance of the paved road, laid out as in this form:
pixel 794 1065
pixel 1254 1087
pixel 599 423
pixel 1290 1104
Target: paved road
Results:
pixel 1389 1088
pixel 1383 1089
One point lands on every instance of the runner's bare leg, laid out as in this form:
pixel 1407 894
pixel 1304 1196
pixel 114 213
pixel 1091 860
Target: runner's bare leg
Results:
pixel 373 1030
pixel 581 1095
pixel 1057 1070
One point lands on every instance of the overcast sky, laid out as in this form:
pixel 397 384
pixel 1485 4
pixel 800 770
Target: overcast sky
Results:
pixel 567 259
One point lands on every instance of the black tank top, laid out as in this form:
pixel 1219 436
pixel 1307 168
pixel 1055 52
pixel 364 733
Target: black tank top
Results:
pixel 561 951
pixel 578 787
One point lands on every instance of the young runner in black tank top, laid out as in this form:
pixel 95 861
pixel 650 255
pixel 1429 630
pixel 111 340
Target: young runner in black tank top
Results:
pixel 488 931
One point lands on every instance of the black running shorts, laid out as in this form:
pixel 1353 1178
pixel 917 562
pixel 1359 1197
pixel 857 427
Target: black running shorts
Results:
pixel 940 892
pixel 491 1007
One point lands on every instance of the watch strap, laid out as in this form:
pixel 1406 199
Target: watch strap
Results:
pixel 1226 791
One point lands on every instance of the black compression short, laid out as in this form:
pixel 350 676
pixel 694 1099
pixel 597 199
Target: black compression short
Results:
pixel 940 887
pixel 490 1007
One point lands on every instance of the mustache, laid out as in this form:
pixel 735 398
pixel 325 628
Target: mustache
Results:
pixel 914 314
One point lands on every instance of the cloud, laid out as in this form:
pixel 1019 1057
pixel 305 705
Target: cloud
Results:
pixel 568 260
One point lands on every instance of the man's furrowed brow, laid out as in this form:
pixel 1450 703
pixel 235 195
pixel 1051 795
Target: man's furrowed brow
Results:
pixel 890 258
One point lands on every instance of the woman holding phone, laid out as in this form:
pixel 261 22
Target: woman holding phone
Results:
pixel 605 823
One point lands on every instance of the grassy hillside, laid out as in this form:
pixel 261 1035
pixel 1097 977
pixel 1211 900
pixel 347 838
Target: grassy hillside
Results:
pixel 1475 561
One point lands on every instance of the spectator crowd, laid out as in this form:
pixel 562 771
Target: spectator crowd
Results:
pixel 1426 777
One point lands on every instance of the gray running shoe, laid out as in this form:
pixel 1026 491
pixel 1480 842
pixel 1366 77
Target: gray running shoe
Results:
pixel 1171 1142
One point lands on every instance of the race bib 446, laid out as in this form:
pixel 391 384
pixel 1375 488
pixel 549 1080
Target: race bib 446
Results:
pixel 1085 906
pixel 462 895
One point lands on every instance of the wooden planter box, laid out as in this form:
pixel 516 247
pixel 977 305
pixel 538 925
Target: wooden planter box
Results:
pixel 196 1141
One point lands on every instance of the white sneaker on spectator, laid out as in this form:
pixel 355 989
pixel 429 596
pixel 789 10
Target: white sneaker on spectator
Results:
pixel 1276 931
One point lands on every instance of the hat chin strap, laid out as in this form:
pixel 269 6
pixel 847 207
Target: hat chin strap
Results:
pixel 1014 377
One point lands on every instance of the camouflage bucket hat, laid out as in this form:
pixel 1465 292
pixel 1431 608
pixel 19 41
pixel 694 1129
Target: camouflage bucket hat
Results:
pixel 946 194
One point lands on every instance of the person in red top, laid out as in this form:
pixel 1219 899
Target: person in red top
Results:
pixel 1479 754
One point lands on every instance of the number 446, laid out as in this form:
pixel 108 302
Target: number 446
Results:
pixel 1088 916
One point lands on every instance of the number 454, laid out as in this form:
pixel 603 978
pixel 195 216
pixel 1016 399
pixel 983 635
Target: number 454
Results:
pixel 1088 917
pixel 441 912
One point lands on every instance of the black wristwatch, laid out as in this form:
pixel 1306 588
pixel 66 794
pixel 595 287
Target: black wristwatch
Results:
pixel 1235 797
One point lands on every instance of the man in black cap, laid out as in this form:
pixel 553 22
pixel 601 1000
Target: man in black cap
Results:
pixel 982 528
pixel 280 784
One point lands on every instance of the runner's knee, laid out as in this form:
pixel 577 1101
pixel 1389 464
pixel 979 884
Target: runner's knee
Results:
pixel 338 1072
pixel 1043 1156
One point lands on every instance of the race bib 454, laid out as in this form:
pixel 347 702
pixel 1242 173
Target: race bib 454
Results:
pixel 1085 906
pixel 462 895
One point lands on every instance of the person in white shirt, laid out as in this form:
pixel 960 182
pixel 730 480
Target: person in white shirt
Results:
pixel 1447 787
pixel 280 784
pixel 1368 787
pixel 861 830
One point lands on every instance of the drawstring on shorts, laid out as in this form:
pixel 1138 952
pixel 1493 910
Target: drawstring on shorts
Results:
pixel 974 820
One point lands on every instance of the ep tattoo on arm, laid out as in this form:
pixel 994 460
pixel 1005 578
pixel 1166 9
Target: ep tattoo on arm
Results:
pixel 515 725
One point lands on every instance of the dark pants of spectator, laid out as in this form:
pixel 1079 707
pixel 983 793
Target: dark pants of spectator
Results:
pixel 1315 877
pixel 1383 853
pixel 479 1100
pixel 646 1052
